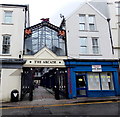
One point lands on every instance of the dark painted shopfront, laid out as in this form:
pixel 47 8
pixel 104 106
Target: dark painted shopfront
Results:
pixel 95 78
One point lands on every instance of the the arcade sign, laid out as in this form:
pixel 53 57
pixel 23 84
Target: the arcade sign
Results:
pixel 44 63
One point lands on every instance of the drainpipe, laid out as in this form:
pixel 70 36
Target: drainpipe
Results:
pixel 108 20
pixel 65 38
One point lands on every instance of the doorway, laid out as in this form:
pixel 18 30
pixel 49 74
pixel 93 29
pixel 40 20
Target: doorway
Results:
pixel 81 86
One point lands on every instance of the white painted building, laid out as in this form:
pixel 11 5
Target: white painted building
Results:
pixel 88 34
pixel 92 62
pixel 114 14
pixel 111 9
pixel 13 20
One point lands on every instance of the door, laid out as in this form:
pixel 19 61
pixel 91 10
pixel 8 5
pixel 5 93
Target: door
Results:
pixel 27 83
pixel 81 88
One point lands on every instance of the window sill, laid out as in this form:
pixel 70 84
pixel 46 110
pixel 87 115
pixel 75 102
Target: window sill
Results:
pixel 89 31
pixel 5 54
pixel 117 15
pixel 90 54
pixel 117 47
pixel 7 23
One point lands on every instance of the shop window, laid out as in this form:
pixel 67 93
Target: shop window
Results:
pixel 83 45
pixel 6 44
pixel 8 17
pixel 104 79
pixel 107 81
pixel 93 81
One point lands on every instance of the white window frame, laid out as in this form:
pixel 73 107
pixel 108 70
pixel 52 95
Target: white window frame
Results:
pixel 83 45
pixel 95 46
pixel 91 23
pixel 8 17
pixel 82 23
pixel 6 42
pixel 117 8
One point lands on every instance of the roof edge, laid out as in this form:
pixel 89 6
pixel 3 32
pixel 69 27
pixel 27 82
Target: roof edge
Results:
pixel 15 5
pixel 96 10
pixel 90 6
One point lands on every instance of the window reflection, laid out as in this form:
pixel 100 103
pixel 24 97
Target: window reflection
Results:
pixel 44 37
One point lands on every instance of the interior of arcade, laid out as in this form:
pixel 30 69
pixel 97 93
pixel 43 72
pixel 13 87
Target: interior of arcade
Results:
pixel 54 80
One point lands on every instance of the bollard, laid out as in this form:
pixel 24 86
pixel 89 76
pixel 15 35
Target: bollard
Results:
pixel 14 96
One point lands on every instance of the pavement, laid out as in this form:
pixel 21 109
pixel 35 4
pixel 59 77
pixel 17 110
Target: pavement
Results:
pixel 44 97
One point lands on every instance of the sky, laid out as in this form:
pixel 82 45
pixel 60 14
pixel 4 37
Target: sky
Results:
pixel 47 9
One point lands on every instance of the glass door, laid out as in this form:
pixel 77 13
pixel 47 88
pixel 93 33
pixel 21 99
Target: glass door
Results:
pixel 81 88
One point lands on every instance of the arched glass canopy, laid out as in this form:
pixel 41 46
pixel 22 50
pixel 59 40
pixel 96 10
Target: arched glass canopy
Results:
pixel 44 35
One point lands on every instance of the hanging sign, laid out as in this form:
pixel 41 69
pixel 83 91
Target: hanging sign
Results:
pixel 61 33
pixel 96 68
pixel 28 33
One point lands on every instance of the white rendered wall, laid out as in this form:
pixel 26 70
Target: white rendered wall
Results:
pixel 11 79
pixel 114 22
pixel 102 32
pixel 16 30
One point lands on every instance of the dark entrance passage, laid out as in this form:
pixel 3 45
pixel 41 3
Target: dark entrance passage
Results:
pixel 54 80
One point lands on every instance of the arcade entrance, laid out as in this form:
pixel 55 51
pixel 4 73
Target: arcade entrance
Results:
pixel 52 79
pixel 44 52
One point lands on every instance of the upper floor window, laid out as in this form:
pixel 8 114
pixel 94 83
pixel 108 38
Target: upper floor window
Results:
pixel 95 45
pixel 83 45
pixel 91 22
pixel 117 8
pixel 6 44
pixel 87 22
pixel 8 17
pixel 82 22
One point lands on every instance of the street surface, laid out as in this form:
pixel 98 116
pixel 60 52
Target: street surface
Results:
pixel 106 108
pixel 44 104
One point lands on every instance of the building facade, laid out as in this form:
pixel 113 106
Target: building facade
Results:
pixel 111 9
pixel 115 26
pixel 77 59
pixel 92 65
pixel 12 28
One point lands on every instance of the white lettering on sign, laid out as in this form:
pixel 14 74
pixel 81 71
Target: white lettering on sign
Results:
pixel 46 62
pixel 96 68
pixel 15 94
